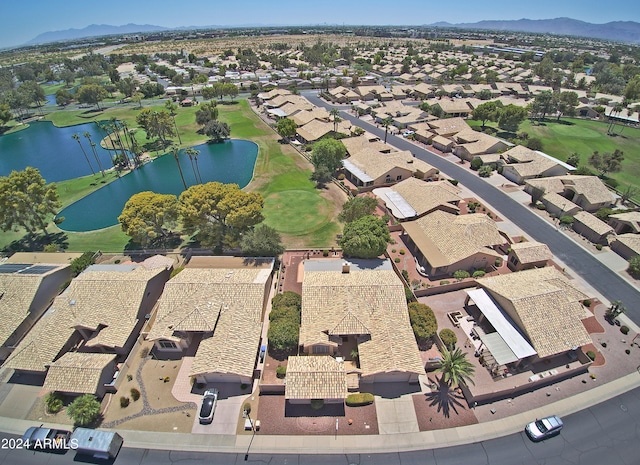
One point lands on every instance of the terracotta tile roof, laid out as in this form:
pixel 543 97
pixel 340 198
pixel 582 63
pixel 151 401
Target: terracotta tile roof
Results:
pixel 445 239
pixel 356 144
pixel 315 377
pixel 362 300
pixel 303 117
pixel 630 218
pixel 590 187
pixel 593 223
pixel 545 305
pixel 18 292
pixel 531 252
pixel 631 240
pixel 106 303
pixel 225 304
pixel 377 164
pixel 425 196
pixel 448 126
pixel 77 372
pixel 315 129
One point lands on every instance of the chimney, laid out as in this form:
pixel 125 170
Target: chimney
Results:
pixel 346 268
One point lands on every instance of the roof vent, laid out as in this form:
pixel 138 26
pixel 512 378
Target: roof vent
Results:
pixel 346 268
pixel 72 302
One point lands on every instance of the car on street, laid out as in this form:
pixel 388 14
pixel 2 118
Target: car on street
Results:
pixel 208 407
pixel 47 439
pixel 544 428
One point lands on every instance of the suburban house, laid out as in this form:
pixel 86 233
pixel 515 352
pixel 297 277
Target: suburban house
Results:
pixel 376 92
pixel 448 127
pixel 102 311
pixel 369 167
pixel 522 164
pixel 316 377
pixel 365 141
pixel 413 198
pixel 212 311
pixel 316 129
pixel 356 307
pixel 82 372
pixel 588 192
pixel 444 243
pixel 623 223
pixel 626 245
pixel 527 255
pixel 303 117
pixel 343 95
pixel 470 143
pixel 26 291
pixel 424 91
pixel 592 228
pixel 559 206
pixel 455 107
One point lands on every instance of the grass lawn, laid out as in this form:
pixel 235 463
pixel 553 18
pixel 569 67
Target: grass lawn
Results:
pixel 561 139
pixel 302 214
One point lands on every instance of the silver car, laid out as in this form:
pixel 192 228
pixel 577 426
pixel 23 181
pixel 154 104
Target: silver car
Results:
pixel 544 428
pixel 208 407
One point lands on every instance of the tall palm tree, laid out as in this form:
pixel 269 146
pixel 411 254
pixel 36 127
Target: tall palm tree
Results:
pixel 172 107
pixel 386 123
pixel 87 134
pixel 455 367
pixel 193 155
pixel 175 150
pixel 77 139
pixel 335 113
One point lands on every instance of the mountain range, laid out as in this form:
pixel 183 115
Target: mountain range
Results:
pixel 622 31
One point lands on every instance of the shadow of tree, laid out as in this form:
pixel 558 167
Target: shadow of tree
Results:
pixel 31 242
pixel 445 398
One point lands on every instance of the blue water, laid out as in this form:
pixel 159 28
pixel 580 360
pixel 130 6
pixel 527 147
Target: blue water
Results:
pixel 53 151
pixel 230 162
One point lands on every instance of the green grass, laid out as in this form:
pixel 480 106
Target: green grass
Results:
pixel 561 139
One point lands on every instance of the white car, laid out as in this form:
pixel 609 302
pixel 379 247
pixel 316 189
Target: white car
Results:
pixel 544 428
pixel 208 407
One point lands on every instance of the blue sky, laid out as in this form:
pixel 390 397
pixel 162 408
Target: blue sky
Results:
pixel 22 20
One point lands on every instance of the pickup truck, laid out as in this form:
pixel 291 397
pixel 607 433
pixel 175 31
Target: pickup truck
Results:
pixel 41 438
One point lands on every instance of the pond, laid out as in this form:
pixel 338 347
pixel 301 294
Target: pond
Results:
pixel 229 162
pixel 53 151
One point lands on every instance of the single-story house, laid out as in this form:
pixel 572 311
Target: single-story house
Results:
pixel 592 228
pixel 588 192
pixel 626 245
pixel 315 377
pixel 316 129
pixel 78 373
pixel 628 222
pixel 526 255
pixel 523 164
pixel 472 143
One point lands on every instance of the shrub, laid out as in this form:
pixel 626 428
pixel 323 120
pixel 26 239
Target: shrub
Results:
pixel 405 275
pixel 408 294
pixel 498 262
pixel 479 273
pixel 175 271
pixel 283 334
pixel 247 407
pixel 445 281
pixel 124 401
pixel 624 329
pixel 540 206
pixel 317 404
pixel 135 394
pixel 627 351
pixel 287 299
pixel 484 171
pixel 129 376
pixel 402 252
pixel 393 250
pixel 448 338
pixel 340 176
pixel 423 321
pixel 598 246
pixel 634 266
pixel 281 371
pixel 84 409
pixel 358 400
pixel 476 163
pixel 144 353
pixel 78 265
pixel 285 313
pixel 453 181
pixel 54 402
pixel 397 259
pixel 586 303
pixel 591 354
pixel 461 274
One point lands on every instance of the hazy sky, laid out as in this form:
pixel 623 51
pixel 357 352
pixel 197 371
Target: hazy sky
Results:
pixel 22 20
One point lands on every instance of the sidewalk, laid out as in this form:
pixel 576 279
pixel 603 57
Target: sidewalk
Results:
pixel 340 444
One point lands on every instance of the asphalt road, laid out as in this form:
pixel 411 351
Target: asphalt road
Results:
pixel 607 433
pixel 604 280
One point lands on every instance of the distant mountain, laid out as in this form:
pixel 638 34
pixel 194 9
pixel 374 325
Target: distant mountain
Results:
pixel 94 30
pixel 622 31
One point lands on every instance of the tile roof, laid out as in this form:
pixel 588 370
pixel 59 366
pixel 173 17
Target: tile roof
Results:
pixel 631 240
pixel 225 304
pixel 630 218
pixel 315 377
pixel 593 223
pixel 545 305
pixel 590 187
pixel 531 252
pixel 362 300
pixel 315 129
pixel 18 292
pixel 448 126
pixel 445 239
pixel 377 164
pixel 107 303
pixel 77 372
pixel 425 196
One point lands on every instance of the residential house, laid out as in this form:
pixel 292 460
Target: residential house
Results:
pixel 623 223
pixel 316 129
pixel 456 107
pixel 413 198
pixel 303 117
pixel 444 243
pixel 626 245
pixel 592 228
pixel 588 192
pixel 423 91
pixel 77 373
pixel 214 310
pixel 559 206
pixel 523 164
pixel 527 255
pixel 359 306
pixel 471 144
pixel 315 377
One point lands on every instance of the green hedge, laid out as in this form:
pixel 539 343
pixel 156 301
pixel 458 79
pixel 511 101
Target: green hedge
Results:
pixel 358 400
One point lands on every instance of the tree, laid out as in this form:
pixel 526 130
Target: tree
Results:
pixel 574 159
pixel 91 94
pixel 175 151
pixel 423 321
pixel 5 114
pixel 534 143
pixel 328 153
pixel 321 175
pixel 628 192
pixel 26 200
pixel 193 156
pixel 607 162
pixel 488 111
pixel 366 237
pixel 63 97
pixel 388 121
pixel 262 241
pixel 536 194
pixel 616 309
pixel 287 299
pixel 357 207
pixel 84 410
pixel 217 131
pixel 510 117
pixel 172 108
pixel 156 124
pixel 127 86
pixel 565 103
pixel 208 111
pixel 287 128
pixel 335 114
pixel 147 216
pixel 542 104
pixel 219 213
pixel 32 92
pixel 87 134
pixel 283 334
pixel 448 338
pixel 634 266
pixel 455 368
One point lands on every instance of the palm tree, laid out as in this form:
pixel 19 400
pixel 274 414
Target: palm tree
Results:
pixel 193 155
pixel 455 367
pixel 77 139
pixel 175 150
pixel 335 113
pixel 386 123
pixel 172 107
pixel 87 134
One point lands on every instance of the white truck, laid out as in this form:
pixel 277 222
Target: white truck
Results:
pixel 99 444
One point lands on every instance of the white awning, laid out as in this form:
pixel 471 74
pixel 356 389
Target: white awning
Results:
pixel 509 333
pixel 357 172
pixel 277 112
pixel 395 202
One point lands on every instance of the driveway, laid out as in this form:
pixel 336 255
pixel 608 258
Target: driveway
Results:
pixel 394 407
pixel 225 419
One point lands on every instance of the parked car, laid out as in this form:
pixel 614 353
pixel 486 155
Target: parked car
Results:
pixel 41 438
pixel 208 407
pixel 544 428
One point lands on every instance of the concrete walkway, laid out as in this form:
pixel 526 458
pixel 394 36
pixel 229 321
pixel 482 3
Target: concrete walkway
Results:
pixel 396 415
